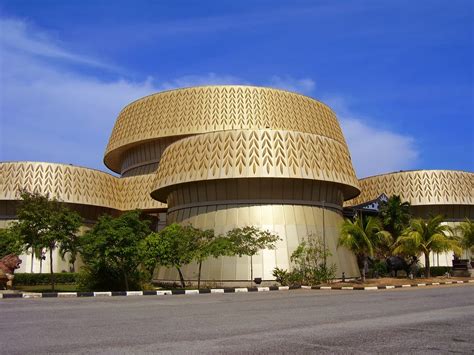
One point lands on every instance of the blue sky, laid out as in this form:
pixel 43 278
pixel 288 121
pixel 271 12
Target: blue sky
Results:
pixel 399 74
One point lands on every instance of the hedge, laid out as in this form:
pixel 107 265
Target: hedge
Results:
pixel 26 279
pixel 438 270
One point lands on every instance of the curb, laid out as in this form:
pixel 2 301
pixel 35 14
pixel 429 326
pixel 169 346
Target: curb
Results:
pixel 214 290
pixel 143 293
pixel 384 287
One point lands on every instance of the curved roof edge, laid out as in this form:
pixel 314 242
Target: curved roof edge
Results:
pixel 78 185
pixel 419 187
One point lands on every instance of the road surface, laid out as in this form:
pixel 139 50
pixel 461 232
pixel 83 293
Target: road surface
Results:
pixel 422 320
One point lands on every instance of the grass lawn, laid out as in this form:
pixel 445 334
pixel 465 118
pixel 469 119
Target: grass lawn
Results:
pixel 47 288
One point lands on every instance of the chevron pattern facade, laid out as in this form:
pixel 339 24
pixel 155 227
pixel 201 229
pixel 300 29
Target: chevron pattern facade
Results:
pixel 420 187
pixel 256 154
pixel 217 108
pixel 220 157
pixel 77 185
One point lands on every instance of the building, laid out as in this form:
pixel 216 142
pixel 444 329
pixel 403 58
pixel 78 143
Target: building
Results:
pixel 429 192
pixel 220 157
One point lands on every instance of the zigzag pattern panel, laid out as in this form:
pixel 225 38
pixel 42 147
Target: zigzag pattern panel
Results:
pixel 135 193
pixel 256 153
pixel 78 185
pixel 67 183
pixel 215 108
pixel 420 187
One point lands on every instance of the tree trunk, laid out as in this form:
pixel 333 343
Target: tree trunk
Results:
pixel 181 278
pixel 362 273
pixel 51 267
pixel 125 279
pixel 251 269
pixel 199 274
pixel 427 265
pixel 72 261
pixel 32 259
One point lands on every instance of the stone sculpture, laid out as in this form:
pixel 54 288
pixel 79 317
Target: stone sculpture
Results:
pixel 8 265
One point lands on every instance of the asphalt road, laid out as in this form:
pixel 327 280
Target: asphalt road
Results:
pixel 423 320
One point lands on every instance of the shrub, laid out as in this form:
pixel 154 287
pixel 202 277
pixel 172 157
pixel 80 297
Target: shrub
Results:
pixel 310 260
pixel 309 265
pixel 439 270
pixel 106 278
pixel 379 268
pixel 24 279
pixel 281 276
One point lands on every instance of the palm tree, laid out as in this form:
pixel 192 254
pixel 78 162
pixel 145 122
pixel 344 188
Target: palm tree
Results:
pixel 425 236
pixel 362 236
pixel 395 215
pixel 465 231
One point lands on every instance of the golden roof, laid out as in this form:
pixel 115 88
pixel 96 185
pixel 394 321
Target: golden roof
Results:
pixel 420 187
pixel 73 184
pixel 198 110
pixel 255 154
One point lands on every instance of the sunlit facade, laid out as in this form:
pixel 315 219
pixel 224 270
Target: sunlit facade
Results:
pixel 220 157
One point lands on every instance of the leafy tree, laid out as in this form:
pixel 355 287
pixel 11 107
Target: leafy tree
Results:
pixel 362 236
pixel 249 241
pixel 33 215
pixel 205 244
pixel 63 226
pixel 173 246
pixel 10 242
pixel 465 232
pixel 395 216
pixel 111 250
pixel 425 236
pixel 44 223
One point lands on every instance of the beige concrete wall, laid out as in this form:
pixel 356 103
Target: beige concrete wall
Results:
pixel 291 222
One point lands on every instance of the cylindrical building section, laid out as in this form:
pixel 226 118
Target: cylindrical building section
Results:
pixel 448 193
pixel 290 183
pixel 235 156
pixel 429 192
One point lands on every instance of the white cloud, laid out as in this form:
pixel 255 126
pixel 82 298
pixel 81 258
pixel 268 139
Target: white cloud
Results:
pixel 303 86
pixel 53 113
pixel 374 150
pixel 20 37
pixel 198 80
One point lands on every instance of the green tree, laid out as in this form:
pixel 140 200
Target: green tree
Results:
pixel 426 236
pixel 173 246
pixel 249 241
pixel 362 236
pixel 64 224
pixel 44 223
pixel 465 233
pixel 112 250
pixel 395 216
pixel 33 215
pixel 206 244
pixel 10 242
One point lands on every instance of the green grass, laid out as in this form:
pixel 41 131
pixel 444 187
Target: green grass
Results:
pixel 47 288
